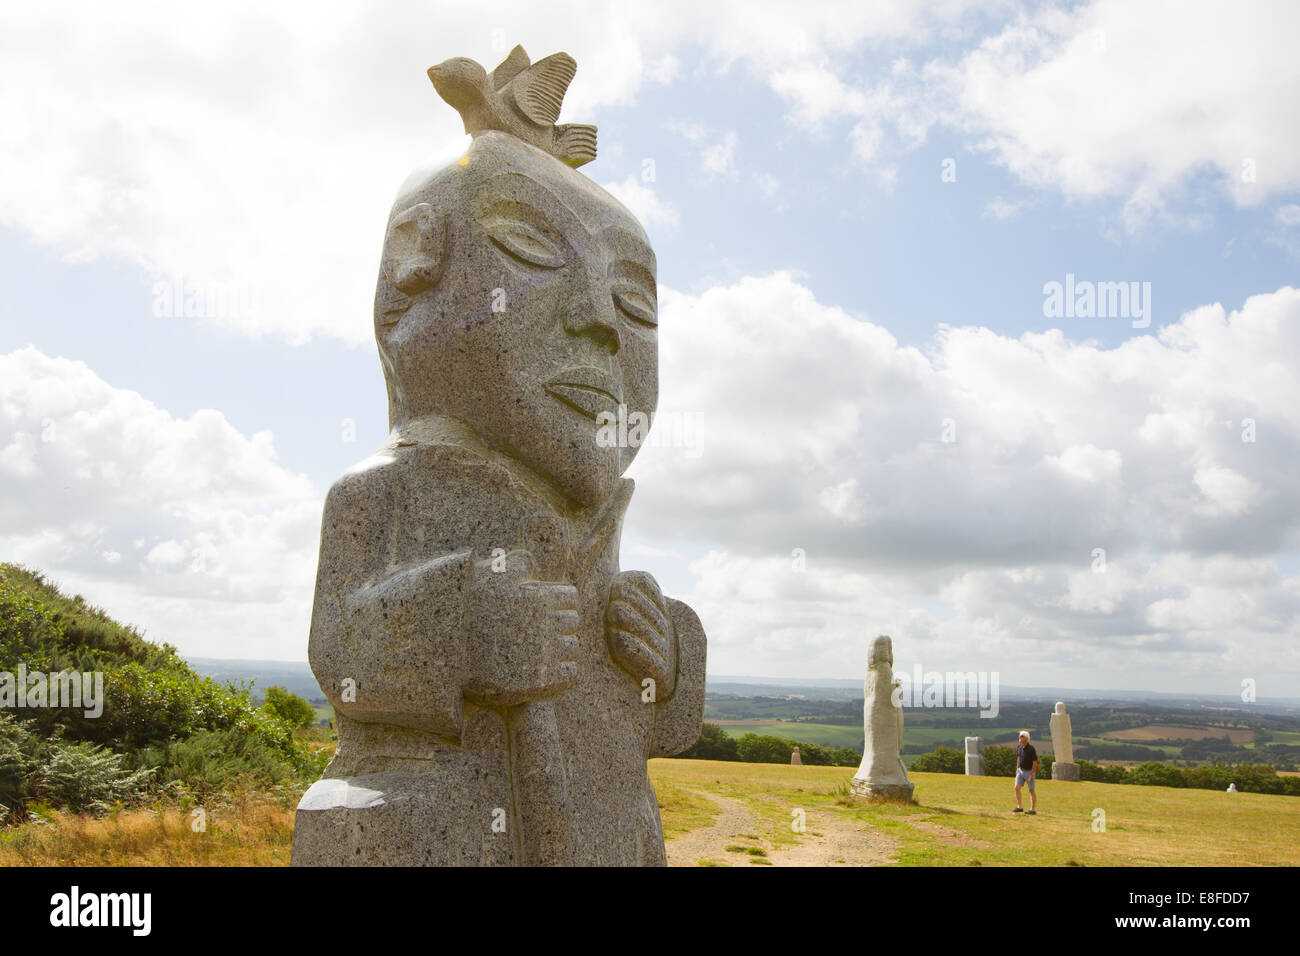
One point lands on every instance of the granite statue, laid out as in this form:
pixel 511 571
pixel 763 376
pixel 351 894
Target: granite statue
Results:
pixel 882 774
pixel 499 680
pixel 1063 765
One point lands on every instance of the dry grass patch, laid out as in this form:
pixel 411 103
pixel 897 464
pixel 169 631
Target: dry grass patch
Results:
pixel 247 831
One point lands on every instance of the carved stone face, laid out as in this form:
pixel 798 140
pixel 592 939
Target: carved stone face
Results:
pixel 882 652
pixel 519 298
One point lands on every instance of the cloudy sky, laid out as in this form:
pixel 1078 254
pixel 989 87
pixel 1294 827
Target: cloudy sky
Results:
pixel 873 420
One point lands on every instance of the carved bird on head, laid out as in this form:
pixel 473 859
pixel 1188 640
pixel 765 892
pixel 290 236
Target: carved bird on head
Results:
pixel 519 98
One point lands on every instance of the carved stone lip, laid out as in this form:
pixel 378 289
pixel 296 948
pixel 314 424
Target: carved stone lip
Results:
pixel 393 306
pixel 586 389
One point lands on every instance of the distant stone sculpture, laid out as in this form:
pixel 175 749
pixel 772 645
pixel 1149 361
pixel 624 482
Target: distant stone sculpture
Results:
pixel 974 757
pixel 1232 788
pixel 1063 765
pixel 882 774
pixel 795 759
pixel 499 681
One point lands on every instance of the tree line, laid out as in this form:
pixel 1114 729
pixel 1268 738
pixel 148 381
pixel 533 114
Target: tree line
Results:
pixel 716 744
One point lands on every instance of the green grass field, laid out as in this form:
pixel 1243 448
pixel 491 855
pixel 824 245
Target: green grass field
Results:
pixel 1171 751
pixel 966 821
pixel 1285 736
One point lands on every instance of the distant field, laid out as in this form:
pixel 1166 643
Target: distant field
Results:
pixel 827 735
pixel 1169 750
pixel 1167 732
pixel 839 735
pixel 933 735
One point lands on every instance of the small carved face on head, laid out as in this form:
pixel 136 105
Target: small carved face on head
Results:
pixel 882 652
pixel 518 297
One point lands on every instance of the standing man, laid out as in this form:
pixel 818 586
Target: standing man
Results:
pixel 1026 771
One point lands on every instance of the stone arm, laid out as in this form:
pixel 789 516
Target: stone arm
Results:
pixel 680 716
pixel 387 642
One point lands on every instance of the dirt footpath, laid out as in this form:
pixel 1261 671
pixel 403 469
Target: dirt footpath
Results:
pixel 830 838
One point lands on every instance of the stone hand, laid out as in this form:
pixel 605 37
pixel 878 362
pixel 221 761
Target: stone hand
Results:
pixel 639 629
pixel 522 641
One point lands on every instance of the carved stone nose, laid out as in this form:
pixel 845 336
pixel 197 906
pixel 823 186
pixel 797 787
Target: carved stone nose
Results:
pixel 584 317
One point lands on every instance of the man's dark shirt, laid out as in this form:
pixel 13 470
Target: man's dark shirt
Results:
pixel 1025 756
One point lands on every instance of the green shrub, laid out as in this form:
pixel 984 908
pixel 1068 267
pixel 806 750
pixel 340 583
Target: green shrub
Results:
pixel 817 755
pixel 289 707
pixel 27 628
pixel 1152 774
pixel 845 757
pixel 753 748
pixel 161 724
pixel 19 749
pixel 69 633
pixel 1091 771
pixel 145 708
pixel 999 761
pixel 1256 778
pixel 941 760
pixel 714 744
pixel 86 778
pixel 80 777
pixel 212 761
pixel 1215 776
pixel 767 748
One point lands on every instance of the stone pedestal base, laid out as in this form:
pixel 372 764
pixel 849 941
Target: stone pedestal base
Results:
pixel 895 792
pixel 395 819
pixel 1065 771
pixel 974 765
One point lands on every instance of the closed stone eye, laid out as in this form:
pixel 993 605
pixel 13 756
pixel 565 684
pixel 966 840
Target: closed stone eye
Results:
pixel 521 241
pixel 636 307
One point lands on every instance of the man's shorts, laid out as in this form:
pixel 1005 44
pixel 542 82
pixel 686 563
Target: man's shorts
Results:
pixel 1023 777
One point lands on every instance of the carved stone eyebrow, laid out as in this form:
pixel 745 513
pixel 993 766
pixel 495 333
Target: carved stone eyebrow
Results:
pixel 633 269
pixel 520 210
pixel 640 261
pixel 526 194
pixel 512 186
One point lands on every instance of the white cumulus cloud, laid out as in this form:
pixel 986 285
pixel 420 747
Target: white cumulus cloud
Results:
pixel 1171 455
pixel 184 527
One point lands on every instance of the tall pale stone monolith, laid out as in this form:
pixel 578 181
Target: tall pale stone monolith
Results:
pixel 1063 765
pixel 795 759
pixel 499 680
pixel 974 757
pixel 882 774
